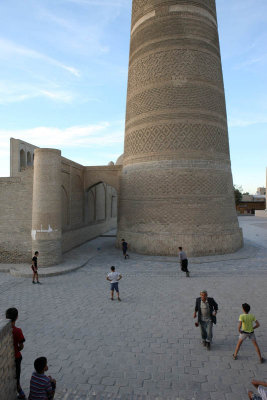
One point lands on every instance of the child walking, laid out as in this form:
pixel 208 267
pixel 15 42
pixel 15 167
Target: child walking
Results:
pixel 114 277
pixel 124 248
pixel 246 330
pixel 183 261
pixel 18 338
pixel 41 386
pixel 35 268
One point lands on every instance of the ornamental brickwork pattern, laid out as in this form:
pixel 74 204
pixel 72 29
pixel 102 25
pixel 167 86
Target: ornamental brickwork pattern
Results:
pixel 190 96
pixel 179 65
pixel 176 137
pixel 158 184
pixel 176 183
pixel 179 219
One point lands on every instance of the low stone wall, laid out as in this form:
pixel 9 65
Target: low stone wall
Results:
pixel 76 237
pixel 7 363
pixel 261 213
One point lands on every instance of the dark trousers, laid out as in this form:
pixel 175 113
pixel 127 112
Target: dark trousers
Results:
pixel 18 369
pixel 184 265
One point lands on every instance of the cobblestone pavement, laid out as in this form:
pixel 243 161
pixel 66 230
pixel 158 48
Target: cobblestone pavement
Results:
pixel 147 346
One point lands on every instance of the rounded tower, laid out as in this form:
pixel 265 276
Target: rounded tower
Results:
pixel 176 185
pixel 46 206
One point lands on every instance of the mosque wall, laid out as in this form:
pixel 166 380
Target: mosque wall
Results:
pixel 88 204
pixel 21 156
pixel 16 217
pixel 87 210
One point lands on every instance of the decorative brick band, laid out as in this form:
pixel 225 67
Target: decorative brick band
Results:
pixel 174 9
pixel 151 14
pixel 176 183
pixel 140 7
pixel 183 136
pixel 194 10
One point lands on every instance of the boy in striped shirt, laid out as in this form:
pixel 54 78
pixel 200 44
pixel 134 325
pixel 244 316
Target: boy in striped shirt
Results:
pixel 42 387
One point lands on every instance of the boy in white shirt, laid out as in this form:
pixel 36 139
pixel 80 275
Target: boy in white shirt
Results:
pixel 114 277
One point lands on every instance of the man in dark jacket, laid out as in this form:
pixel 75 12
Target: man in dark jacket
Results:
pixel 206 308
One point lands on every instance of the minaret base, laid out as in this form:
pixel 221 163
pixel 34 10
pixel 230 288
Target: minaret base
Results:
pixel 196 245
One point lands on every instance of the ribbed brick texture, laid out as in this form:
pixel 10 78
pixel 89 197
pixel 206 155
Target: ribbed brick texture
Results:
pixel 176 186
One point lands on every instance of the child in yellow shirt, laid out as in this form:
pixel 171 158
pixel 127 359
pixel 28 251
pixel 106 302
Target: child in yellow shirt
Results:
pixel 246 330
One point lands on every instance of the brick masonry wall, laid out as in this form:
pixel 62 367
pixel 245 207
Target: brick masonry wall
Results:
pixel 176 182
pixel 16 194
pixel 79 236
pixel 86 213
pixel 7 363
pixel 16 218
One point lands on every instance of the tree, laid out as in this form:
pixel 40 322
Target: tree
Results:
pixel 238 194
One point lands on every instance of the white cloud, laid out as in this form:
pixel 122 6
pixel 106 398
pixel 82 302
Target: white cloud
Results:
pixel 9 48
pixel 11 92
pixel 98 137
pixel 58 95
pixel 252 61
pixel 101 3
pixel 75 35
pixel 102 134
pixel 247 121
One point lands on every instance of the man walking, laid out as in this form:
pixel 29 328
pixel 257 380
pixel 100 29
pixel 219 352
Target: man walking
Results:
pixel 124 246
pixel 207 308
pixel 183 261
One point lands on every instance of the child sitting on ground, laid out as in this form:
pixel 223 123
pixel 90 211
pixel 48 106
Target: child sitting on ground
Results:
pixel 18 338
pixel 41 386
pixel 262 390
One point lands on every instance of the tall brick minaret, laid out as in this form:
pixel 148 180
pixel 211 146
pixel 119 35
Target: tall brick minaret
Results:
pixel 176 186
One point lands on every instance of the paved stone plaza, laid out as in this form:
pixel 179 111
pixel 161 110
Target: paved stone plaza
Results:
pixel 145 347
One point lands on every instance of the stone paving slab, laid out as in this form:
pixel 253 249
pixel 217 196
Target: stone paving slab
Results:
pixel 78 258
pixel 147 346
pixel 73 260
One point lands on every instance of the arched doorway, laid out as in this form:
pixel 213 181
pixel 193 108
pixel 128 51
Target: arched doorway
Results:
pixel 29 159
pixel 22 156
pixel 87 212
pixel 101 204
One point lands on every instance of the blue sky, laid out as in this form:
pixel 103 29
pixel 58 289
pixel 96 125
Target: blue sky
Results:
pixel 64 77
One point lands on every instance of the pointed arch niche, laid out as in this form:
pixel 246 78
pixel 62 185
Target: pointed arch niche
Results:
pixel 100 203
